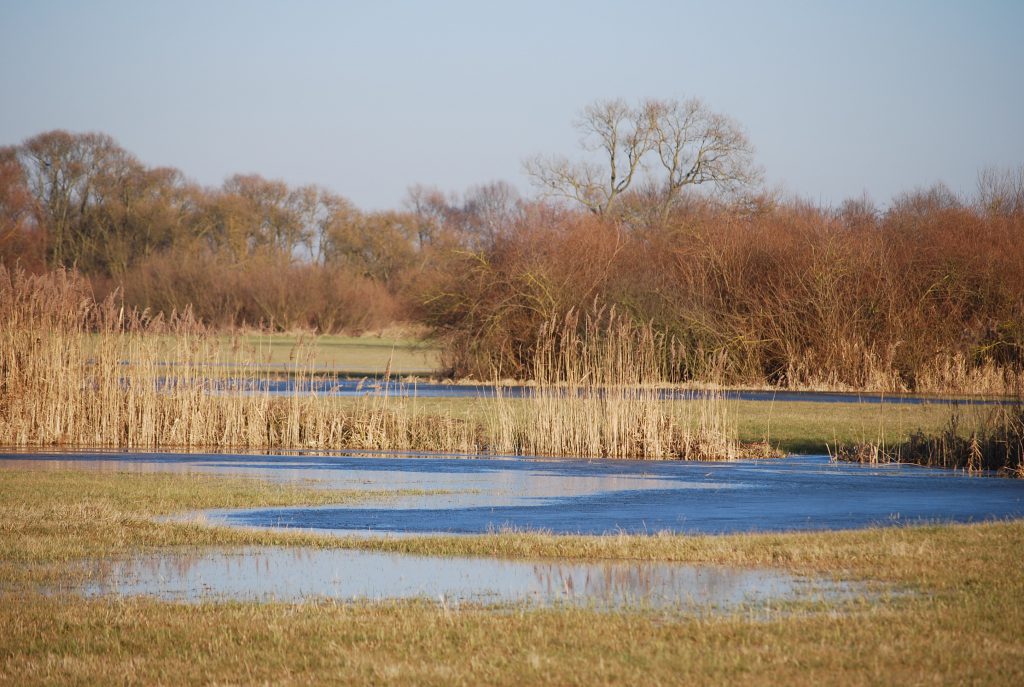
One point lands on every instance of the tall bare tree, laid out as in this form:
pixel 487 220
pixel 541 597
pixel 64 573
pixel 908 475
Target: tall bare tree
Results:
pixel 15 199
pixel 489 211
pixel 620 135
pixel 697 146
pixel 1001 191
pixel 62 170
pixel 692 144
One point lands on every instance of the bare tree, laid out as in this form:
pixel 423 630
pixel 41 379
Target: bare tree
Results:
pixel 15 199
pixel 61 170
pixel 488 212
pixel 692 144
pixel 698 146
pixel 620 134
pixel 1001 191
pixel 432 210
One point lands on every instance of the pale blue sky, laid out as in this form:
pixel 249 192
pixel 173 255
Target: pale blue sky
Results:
pixel 367 98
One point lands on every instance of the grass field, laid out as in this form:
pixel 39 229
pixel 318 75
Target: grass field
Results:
pixel 956 622
pixel 343 355
pixel 348 354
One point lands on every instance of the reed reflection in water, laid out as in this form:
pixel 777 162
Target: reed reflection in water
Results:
pixel 295 574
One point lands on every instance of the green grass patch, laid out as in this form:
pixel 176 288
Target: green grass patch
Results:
pixel 352 355
pixel 347 354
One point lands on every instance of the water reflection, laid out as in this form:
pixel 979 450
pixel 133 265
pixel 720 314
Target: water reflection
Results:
pixel 288 574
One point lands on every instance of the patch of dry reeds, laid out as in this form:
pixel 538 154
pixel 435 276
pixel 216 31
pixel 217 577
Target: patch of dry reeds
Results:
pixel 995 445
pixel 599 392
pixel 77 372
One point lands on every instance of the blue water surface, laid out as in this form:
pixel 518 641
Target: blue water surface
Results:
pixel 481 495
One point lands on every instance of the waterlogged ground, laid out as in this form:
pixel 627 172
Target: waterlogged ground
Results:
pixel 293 574
pixel 371 386
pixel 459 495
pixel 589 497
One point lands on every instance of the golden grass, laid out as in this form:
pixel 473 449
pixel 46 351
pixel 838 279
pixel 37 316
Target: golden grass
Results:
pixel 75 372
pixel 959 625
pixel 597 392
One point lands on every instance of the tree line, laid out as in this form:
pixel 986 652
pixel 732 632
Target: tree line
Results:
pixel 660 218
pixel 253 251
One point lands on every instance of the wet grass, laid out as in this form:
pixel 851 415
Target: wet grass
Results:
pixel 959 625
pixel 51 517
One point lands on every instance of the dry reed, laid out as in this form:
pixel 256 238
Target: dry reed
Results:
pixel 75 371
pixel 599 391
pixel 995 445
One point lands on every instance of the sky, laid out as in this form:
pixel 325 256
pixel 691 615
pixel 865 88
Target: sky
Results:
pixel 368 98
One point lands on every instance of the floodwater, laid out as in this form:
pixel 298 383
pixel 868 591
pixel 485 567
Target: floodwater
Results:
pixel 295 574
pixel 369 386
pixel 560 496
pixel 589 497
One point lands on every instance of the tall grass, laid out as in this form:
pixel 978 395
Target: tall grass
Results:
pixel 75 371
pixel 598 391
pixel 994 444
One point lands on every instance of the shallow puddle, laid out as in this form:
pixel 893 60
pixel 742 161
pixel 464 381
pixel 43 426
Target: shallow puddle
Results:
pixel 290 574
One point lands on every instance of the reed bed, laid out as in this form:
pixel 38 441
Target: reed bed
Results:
pixel 78 372
pixel 995 444
pixel 598 390
pixel 75 371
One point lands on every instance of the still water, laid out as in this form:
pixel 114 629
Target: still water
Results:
pixel 561 496
pixel 588 497
pixel 294 574
pixel 371 386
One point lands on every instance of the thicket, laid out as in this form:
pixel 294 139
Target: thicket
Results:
pixel 927 295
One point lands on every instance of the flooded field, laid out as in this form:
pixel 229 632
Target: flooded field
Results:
pixel 367 386
pixel 574 496
pixel 294 574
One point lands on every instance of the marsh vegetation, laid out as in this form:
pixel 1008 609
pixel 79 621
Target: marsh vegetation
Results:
pixel 993 442
pixel 77 372
pixel 922 296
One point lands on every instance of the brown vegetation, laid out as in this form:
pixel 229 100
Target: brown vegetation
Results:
pixel 996 445
pixel 77 372
pixel 596 393
pixel 926 296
